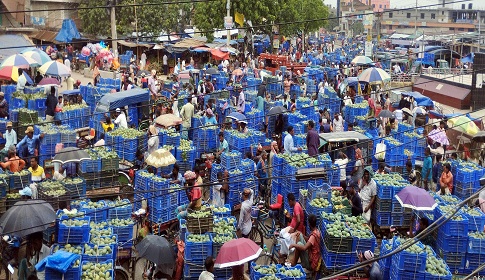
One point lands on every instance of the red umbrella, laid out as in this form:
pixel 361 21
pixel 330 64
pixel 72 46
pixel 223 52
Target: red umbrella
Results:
pixel 49 81
pixel 237 252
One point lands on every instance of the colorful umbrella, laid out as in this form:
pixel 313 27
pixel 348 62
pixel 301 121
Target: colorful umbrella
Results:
pixel 236 252
pixel 9 72
pixel 416 198
pixel 20 61
pixel 38 54
pixel 160 158
pixel 49 81
pixel 465 125
pixel 361 60
pixel 54 68
pixel 168 120
pixel 374 75
pixel 439 136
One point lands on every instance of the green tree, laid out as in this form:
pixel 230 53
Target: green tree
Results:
pixel 357 28
pixel 313 15
pixel 151 20
pixel 332 22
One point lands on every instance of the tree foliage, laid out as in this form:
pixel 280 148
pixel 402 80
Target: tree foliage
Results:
pixel 357 28
pixel 168 16
pixel 332 22
pixel 263 14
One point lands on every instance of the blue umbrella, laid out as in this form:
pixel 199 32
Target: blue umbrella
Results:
pixel 237 116
pixel 374 75
pixel 28 78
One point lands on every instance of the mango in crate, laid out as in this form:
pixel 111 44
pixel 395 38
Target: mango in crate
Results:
pixel 436 266
pixel 265 269
pixel 97 250
pixel 290 272
pixel 96 271
pixel 319 203
pixel 198 238
pixel 338 229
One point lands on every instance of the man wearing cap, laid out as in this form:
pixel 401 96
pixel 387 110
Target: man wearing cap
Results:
pixel 194 194
pixel 27 146
pixel 120 120
pixel 3 106
pixel 50 104
pixel 368 191
pixel 209 119
pixel 373 270
pixel 354 199
pixel 10 137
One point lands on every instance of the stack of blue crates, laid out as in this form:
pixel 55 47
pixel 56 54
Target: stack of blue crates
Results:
pixel 231 160
pixel 195 254
pixel 408 265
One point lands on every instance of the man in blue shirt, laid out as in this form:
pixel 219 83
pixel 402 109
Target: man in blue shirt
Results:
pixel 27 147
pixel 223 146
pixel 289 145
pixel 426 171
pixel 209 118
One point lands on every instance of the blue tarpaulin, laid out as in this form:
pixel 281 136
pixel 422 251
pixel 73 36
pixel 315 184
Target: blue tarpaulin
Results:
pixel 420 99
pixel 469 58
pixel 112 101
pixel 68 32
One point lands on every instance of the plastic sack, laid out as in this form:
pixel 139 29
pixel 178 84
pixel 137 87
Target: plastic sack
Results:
pixel 59 261
pixel 380 151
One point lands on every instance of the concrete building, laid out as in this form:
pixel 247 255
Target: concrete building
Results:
pixel 353 12
pixel 51 18
pixel 440 19
pixel 377 5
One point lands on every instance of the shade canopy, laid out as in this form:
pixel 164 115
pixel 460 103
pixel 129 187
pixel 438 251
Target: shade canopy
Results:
pixel 27 217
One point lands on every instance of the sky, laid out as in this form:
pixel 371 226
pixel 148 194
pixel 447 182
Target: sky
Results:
pixel 412 3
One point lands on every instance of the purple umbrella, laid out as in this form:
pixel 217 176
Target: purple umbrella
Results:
pixel 49 81
pixel 416 198
pixel 439 136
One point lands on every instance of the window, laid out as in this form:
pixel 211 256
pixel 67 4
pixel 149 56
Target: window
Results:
pixel 373 6
pixel 408 15
pixel 433 16
pixel 422 15
pixel 385 6
pixel 463 6
pixel 380 6
pixel 442 13
pixel 470 6
pixel 390 15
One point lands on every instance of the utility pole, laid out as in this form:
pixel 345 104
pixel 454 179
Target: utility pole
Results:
pixel 136 24
pixel 416 21
pixel 228 15
pixel 114 33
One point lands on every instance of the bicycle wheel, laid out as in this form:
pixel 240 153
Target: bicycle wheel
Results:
pixel 121 274
pixel 257 236
pixel 266 259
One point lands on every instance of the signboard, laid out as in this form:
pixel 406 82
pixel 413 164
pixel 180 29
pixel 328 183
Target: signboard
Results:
pixel 36 20
pixel 368 49
pixel 276 42
pixel 228 23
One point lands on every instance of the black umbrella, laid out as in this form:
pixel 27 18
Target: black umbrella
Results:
pixel 27 217
pixel 386 114
pixel 71 154
pixel 156 249
pixel 277 110
pixel 212 71
pixel 479 137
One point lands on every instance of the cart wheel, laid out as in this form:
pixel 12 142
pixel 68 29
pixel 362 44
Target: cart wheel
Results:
pixel 124 179
pixel 126 192
pixel 143 126
pixel 121 274
pixel 257 236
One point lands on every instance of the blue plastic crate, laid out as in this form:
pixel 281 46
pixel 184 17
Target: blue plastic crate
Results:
pixel 476 222
pixel 90 166
pixel 193 270
pixel 385 192
pixel 296 267
pixel 74 234
pixel 335 260
pixel 397 219
pixel 456 228
pixel 199 250
pixel 454 261
pixel 75 190
pixel 384 251
pixel 120 212
pixel 473 261
pixel 410 261
pixel 400 274
pixel 97 215
pixel 363 244
pixel 475 245
pixel 383 218
pixel 396 206
pixel 71 273
pixel 99 259
pixel 452 244
pixel 225 213
pixel 124 233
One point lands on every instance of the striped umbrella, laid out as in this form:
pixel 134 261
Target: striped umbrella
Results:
pixel 54 68
pixel 38 55
pixel 20 61
pixel 374 75
pixel 361 60
pixel 9 72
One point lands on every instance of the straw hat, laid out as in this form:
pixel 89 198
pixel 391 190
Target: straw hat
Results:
pixel 29 130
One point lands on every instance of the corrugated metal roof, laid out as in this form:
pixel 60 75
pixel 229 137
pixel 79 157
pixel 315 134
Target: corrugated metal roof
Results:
pixel 11 44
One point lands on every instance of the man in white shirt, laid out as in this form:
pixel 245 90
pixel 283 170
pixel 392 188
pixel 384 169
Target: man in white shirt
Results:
pixel 338 123
pixel 219 190
pixel 186 113
pixel 143 60
pixel 165 64
pixel 120 120
pixel 209 268
pixel 67 62
pixel 10 137
pixel 152 84
pixel 288 145
pixel 22 81
pixel 245 224
pixel 342 162
pixel 396 69
pixel 241 103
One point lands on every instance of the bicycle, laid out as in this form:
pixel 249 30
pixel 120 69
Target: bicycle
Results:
pixel 260 230
pixel 272 256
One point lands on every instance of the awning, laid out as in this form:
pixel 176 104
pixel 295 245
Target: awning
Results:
pixel 201 50
pixel 188 43
pixel 158 47
pixel 445 92
pixel 218 55
pixel 133 44
pixel 45 35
